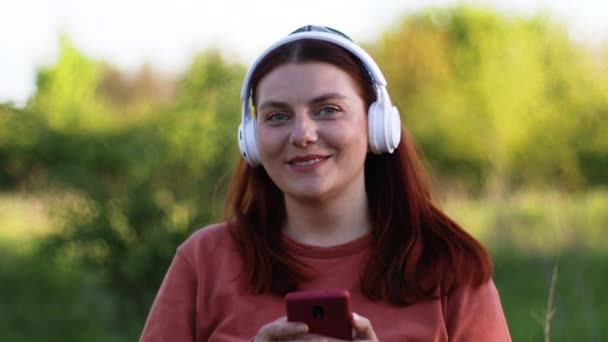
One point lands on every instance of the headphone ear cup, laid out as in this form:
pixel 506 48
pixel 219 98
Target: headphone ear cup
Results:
pixel 393 128
pixel 384 128
pixel 248 142
pixel 374 128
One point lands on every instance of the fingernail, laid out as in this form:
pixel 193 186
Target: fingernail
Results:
pixel 302 328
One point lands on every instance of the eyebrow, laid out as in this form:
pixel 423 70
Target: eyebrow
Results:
pixel 316 100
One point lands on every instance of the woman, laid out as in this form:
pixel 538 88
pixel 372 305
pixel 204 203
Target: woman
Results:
pixel 330 194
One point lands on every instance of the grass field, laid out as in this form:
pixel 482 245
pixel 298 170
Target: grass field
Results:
pixel 527 233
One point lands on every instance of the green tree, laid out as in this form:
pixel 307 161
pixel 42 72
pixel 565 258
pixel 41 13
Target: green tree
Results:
pixel 66 92
pixel 135 193
pixel 495 101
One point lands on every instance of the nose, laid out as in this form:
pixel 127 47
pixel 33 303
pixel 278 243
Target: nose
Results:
pixel 304 131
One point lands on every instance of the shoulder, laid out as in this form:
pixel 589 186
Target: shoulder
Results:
pixel 476 310
pixel 472 293
pixel 213 239
pixel 211 233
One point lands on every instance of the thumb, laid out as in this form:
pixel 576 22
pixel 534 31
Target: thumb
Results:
pixel 363 328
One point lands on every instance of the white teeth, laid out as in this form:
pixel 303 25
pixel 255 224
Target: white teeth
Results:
pixel 307 162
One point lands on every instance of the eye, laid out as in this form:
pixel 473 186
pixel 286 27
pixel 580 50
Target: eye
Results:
pixel 277 117
pixel 328 110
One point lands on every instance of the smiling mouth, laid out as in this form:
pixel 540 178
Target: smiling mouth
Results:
pixel 307 162
pixel 298 161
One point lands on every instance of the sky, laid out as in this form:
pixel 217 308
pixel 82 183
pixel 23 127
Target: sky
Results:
pixel 165 34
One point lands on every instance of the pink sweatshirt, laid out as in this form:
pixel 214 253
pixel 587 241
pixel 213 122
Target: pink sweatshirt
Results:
pixel 200 298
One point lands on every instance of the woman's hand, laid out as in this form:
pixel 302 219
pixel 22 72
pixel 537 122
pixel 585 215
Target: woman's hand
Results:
pixel 362 329
pixel 281 330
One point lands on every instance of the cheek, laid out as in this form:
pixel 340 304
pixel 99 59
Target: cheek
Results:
pixel 355 136
pixel 270 143
pixel 352 144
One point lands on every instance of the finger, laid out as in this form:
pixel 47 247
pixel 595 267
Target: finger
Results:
pixel 310 338
pixel 306 338
pixel 280 328
pixel 285 330
pixel 362 328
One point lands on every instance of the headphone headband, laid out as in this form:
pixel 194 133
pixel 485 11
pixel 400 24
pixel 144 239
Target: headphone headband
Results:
pixel 367 61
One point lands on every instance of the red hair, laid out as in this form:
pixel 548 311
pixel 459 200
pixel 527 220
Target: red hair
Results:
pixel 418 251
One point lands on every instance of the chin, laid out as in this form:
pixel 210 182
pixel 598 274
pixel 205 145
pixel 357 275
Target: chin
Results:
pixel 307 194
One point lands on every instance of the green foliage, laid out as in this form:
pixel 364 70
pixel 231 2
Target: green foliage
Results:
pixel 51 299
pixel 66 92
pixel 530 232
pixel 524 280
pixel 534 222
pixel 129 193
pixel 497 101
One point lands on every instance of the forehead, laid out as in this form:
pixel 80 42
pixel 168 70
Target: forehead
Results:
pixel 302 80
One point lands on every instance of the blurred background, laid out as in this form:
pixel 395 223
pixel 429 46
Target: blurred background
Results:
pixel 118 128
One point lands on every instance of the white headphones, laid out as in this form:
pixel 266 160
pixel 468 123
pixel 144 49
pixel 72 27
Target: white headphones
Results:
pixel 384 123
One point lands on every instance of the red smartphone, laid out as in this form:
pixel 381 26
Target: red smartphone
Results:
pixel 326 312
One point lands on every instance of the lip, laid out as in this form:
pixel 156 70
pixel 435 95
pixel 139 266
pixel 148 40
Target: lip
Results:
pixel 306 158
pixel 307 163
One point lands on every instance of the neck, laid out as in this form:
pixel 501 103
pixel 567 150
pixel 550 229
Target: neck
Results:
pixel 329 221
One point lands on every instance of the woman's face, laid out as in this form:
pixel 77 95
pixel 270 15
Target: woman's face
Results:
pixel 312 130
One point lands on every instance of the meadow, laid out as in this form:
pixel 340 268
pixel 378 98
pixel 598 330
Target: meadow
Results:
pixel 528 234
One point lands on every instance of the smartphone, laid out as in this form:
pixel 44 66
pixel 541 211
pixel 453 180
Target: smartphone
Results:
pixel 326 312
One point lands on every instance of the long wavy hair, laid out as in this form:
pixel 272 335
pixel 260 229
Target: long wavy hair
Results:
pixel 418 252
